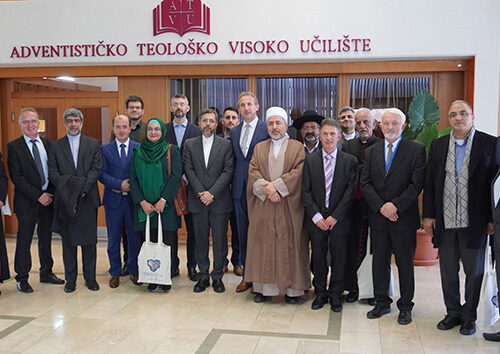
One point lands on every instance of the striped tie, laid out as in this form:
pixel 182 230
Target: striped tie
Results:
pixel 328 178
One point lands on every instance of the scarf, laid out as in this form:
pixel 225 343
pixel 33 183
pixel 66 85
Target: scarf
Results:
pixel 148 168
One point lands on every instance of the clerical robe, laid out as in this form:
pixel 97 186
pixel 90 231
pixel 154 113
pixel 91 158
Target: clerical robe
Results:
pixel 277 249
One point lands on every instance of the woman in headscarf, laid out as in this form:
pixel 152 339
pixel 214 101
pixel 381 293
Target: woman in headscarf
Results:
pixel 152 189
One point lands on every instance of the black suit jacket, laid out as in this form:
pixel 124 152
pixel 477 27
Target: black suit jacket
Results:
pixel 214 178
pixel 401 186
pixel 191 132
pixel 341 194
pixel 25 177
pixel 496 216
pixel 482 169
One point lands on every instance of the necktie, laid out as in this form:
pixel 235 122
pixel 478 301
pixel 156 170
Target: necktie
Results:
pixel 388 157
pixel 38 161
pixel 328 178
pixel 245 139
pixel 123 154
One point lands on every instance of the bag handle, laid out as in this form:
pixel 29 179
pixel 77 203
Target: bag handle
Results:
pixel 160 230
pixel 148 238
pixel 487 256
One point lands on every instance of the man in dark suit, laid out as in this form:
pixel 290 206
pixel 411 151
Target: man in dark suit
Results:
pixel 244 137
pixel 74 167
pixel 495 197
pixel 328 187
pixel 229 120
pixel 347 124
pixel 356 249
pixel 208 164
pixel 27 162
pixel 308 125
pixel 391 180
pixel 178 131
pixel 116 159
pixel 457 211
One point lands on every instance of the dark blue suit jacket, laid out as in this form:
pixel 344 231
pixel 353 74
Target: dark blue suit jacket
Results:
pixel 191 132
pixel 240 175
pixel 114 171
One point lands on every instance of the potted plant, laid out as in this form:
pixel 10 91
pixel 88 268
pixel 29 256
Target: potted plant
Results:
pixel 423 118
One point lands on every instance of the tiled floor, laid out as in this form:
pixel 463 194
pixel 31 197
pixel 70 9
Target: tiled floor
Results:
pixel 130 320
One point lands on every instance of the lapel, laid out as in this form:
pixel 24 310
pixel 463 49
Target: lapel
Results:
pixel 198 146
pixel 475 153
pixel 338 171
pixel 237 136
pixel 320 170
pixel 66 149
pixel 378 156
pixel 81 152
pixel 213 152
pixel 114 151
pixel 27 152
pixel 398 156
pixel 495 207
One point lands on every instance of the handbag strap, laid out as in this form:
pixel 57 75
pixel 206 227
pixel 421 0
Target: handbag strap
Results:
pixel 160 231
pixel 168 160
pixel 487 256
pixel 148 230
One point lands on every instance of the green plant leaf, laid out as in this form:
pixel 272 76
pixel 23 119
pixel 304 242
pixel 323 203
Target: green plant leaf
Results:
pixel 423 111
pixel 444 132
pixel 427 135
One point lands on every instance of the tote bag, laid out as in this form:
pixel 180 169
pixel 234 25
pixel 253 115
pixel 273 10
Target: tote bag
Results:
pixel 488 300
pixel 154 258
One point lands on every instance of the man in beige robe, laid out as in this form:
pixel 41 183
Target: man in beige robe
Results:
pixel 277 250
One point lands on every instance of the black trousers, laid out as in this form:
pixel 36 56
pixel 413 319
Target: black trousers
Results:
pixel 190 245
pixel 321 241
pixel 26 227
pixel 70 259
pixel 403 245
pixel 235 243
pixel 203 222
pixel 453 248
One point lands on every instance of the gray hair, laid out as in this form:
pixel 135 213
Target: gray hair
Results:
pixel 396 111
pixel 332 122
pixel 26 109
pixel 363 109
pixel 461 101
pixel 72 112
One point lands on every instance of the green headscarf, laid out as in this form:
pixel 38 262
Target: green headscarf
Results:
pixel 148 168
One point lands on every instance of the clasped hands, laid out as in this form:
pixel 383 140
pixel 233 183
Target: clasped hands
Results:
pixel 148 208
pixel 390 211
pixel 327 224
pixel 206 198
pixel 45 199
pixel 271 192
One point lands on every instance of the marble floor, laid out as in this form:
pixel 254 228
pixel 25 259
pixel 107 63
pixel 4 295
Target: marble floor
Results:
pixel 130 320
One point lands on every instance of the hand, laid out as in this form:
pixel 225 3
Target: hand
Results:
pixel 393 217
pixel 388 210
pixel 490 228
pixel 270 189
pixel 148 208
pixel 159 206
pixel 125 185
pixel 331 222
pixel 45 199
pixel 275 197
pixel 322 224
pixel 184 178
pixel 1 204
pixel 429 225
pixel 206 198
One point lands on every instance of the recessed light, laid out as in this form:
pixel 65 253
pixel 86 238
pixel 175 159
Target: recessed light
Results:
pixel 66 78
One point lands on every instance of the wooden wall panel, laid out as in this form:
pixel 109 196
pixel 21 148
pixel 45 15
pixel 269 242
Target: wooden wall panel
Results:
pixel 449 87
pixel 153 92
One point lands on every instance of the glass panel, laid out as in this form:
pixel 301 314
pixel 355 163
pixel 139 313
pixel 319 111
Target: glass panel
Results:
pixel 203 93
pixel 386 92
pixel 299 93
pixel 48 119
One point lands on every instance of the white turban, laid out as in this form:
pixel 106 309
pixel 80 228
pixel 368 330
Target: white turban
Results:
pixel 277 111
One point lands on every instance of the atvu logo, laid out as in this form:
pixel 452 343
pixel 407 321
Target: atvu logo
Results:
pixel 181 16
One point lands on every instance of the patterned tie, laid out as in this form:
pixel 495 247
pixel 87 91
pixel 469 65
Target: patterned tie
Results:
pixel 123 153
pixel 328 178
pixel 38 161
pixel 388 158
pixel 245 139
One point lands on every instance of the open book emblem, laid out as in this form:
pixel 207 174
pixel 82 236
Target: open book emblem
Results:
pixel 181 16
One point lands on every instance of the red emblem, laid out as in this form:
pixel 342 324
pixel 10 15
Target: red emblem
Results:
pixel 181 16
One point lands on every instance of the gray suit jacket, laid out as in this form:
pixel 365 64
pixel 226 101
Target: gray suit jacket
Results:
pixel 215 178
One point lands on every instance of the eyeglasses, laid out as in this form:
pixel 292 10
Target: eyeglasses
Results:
pixel 155 129
pixel 73 120
pixel 134 107
pixel 179 104
pixel 26 122
pixel 463 114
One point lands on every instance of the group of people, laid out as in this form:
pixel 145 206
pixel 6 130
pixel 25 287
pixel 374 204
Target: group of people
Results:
pixel 348 179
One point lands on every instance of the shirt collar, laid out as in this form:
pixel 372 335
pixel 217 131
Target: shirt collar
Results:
pixel 73 137
pixel 333 154
pixel 349 136
pixel 183 124
pixel 394 144
pixel 463 141
pixel 126 143
pixel 253 123
pixel 314 147
pixel 28 139
pixel 208 140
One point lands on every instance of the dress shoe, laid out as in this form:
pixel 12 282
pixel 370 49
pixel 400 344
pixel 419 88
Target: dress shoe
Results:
pixel 51 279
pixel 152 288
pixel 318 302
pixel 468 327
pixel 378 311
pixel 124 271
pixel 371 301
pixel 24 287
pixel 336 303
pixel 193 274
pixel 351 297
pixel 114 281
pixel 404 317
pixel 449 322
pixel 201 285
pixel 243 286
pixel 259 298
pixel 218 286
pixel 238 270
pixel 494 337
pixel 92 285
pixel 69 287
pixel 174 273
pixel 292 300
pixel 134 278
pixel 165 288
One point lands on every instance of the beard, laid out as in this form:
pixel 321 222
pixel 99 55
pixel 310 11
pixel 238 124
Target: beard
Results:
pixel 311 138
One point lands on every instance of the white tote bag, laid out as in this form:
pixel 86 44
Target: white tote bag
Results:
pixel 488 301
pixel 365 278
pixel 154 258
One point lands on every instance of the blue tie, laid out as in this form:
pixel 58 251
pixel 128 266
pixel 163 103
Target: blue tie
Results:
pixel 123 154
